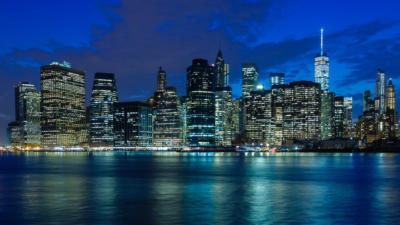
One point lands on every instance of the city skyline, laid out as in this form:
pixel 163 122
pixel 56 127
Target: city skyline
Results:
pixel 271 54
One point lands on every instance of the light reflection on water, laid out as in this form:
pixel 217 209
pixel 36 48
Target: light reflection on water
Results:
pixel 198 188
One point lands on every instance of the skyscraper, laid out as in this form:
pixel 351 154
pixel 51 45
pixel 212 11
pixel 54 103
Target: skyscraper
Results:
pixel 62 105
pixel 249 78
pixel 223 102
pixel 200 104
pixel 390 116
pixel 168 124
pixel 133 124
pixel 104 96
pixel 221 71
pixel 339 117
pixel 327 115
pixel 380 89
pixel 276 79
pixel 302 112
pixel 348 117
pixel 161 80
pixel 368 103
pixel 259 126
pixel 321 67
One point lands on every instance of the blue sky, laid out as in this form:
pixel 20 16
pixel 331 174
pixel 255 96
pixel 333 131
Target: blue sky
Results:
pixel 133 38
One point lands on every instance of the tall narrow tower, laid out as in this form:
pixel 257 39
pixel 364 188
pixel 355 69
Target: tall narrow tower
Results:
pixel 321 67
pixel 380 90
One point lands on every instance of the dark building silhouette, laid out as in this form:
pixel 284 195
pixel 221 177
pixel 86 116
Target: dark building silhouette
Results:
pixel 133 124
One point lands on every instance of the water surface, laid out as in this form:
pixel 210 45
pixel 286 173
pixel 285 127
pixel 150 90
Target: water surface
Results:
pixel 199 188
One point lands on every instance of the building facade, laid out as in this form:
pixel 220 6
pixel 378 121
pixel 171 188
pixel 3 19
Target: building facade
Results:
pixel 380 90
pixel 302 112
pixel 276 79
pixel 327 115
pixel 200 104
pixel 168 123
pixel 104 96
pixel 249 78
pixel 133 124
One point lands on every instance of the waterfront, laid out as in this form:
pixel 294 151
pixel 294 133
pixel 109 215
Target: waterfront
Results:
pixel 199 188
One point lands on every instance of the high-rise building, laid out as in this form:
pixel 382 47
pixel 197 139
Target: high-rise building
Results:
pixel 348 117
pixel 380 90
pixel 133 124
pixel 62 105
pixel 104 96
pixel 161 80
pixel 168 124
pixel 221 71
pixel 368 103
pixel 390 116
pixel 223 103
pixel 327 115
pixel 302 112
pixel 276 79
pixel 223 116
pixel 249 78
pixel 339 117
pixel 14 138
pixel 321 67
pixel 259 126
pixel 277 92
pixel 200 104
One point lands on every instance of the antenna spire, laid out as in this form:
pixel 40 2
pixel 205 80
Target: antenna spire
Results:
pixel 322 41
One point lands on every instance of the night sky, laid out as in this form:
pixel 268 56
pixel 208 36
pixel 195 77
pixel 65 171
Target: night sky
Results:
pixel 132 38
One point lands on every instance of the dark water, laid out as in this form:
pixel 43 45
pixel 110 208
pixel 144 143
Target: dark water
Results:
pixel 199 188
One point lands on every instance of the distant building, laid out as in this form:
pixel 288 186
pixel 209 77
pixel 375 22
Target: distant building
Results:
pixel 302 112
pixel 339 117
pixel 321 68
pixel 390 116
pixel 14 136
pixel 221 71
pixel 348 117
pixel 278 94
pixel 62 105
pixel 259 126
pixel 249 78
pixel 380 90
pixel 327 115
pixel 200 104
pixel 161 80
pixel 368 103
pixel 168 124
pixel 276 79
pixel 104 96
pixel 133 124
pixel 223 103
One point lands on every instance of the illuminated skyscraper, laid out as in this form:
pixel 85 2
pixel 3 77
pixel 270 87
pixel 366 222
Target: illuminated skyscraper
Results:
pixel 25 131
pixel 321 68
pixel 221 71
pixel 104 96
pixel 278 92
pixel 223 102
pixel 348 117
pixel 249 78
pixel 200 104
pixel 390 116
pixel 327 115
pixel 133 124
pixel 380 89
pixel 168 124
pixel 259 126
pixel 62 105
pixel 302 112
pixel 276 79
